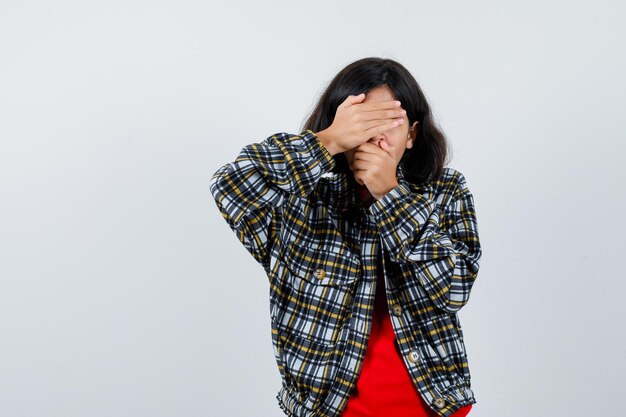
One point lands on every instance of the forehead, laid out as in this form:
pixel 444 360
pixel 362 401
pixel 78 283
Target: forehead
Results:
pixel 379 93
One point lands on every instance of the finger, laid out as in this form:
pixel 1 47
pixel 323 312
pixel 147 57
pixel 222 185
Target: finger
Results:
pixel 364 156
pixel 378 148
pixel 358 177
pixel 398 113
pixel 364 165
pixel 373 155
pixel 377 127
pixel 367 148
pixel 357 165
pixel 350 100
pixel 380 105
pixel 380 117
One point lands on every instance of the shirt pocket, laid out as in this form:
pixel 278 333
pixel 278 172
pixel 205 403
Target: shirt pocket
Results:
pixel 445 346
pixel 316 291
pixel 307 367
pixel 313 247
pixel 322 265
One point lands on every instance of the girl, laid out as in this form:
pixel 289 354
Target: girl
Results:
pixel 370 245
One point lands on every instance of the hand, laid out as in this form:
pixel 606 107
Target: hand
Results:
pixel 356 122
pixel 374 167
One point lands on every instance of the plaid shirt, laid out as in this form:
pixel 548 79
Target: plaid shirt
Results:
pixel 318 244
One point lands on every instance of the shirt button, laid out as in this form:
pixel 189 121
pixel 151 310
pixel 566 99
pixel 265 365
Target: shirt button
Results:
pixel 397 310
pixel 414 356
pixel 439 402
pixel 319 273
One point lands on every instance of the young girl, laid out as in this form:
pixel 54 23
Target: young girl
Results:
pixel 370 245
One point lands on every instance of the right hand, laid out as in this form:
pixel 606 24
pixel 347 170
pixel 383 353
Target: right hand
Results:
pixel 356 122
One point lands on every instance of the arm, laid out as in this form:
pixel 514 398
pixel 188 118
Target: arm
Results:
pixel 445 253
pixel 250 191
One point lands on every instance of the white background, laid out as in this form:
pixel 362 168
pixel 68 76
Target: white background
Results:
pixel 124 293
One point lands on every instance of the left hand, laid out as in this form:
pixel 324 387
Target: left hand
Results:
pixel 374 166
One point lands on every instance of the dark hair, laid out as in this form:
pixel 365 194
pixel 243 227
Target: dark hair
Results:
pixel 423 162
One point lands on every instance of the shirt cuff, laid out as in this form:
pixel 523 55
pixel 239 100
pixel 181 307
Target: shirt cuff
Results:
pixel 318 150
pixel 397 199
pixel 387 201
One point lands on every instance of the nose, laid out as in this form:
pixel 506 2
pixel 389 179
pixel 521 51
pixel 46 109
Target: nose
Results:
pixel 376 139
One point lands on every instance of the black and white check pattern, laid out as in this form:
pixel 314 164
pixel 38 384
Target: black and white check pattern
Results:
pixel 318 245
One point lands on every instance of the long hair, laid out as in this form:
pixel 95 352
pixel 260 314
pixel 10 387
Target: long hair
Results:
pixel 423 162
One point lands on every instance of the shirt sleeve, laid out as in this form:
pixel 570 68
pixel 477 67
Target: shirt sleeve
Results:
pixel 251 190
pixel 441 244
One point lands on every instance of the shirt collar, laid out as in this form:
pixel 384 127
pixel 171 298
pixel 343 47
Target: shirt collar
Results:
pixel 339 189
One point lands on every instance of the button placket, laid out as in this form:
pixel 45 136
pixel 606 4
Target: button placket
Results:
pixel 414 356
pixel 319 273
pixel 397 309
pixel 439 402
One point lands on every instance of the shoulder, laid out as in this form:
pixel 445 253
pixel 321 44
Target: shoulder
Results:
pixel 449 182
pixel 449 187
pixel 452 180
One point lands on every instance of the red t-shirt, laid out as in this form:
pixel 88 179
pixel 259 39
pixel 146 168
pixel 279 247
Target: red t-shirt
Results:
pixel 385 387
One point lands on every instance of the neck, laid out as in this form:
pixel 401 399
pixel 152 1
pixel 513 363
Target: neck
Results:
pixel 364 195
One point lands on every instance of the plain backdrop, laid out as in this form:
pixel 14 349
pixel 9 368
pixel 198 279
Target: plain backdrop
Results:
pixel 123 293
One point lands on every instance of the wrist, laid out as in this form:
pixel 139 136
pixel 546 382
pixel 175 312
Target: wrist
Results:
pixel 328 142
pixel 378 197
pixel 393 186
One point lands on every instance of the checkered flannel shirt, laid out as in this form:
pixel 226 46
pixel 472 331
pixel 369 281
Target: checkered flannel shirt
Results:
pixel 318 244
